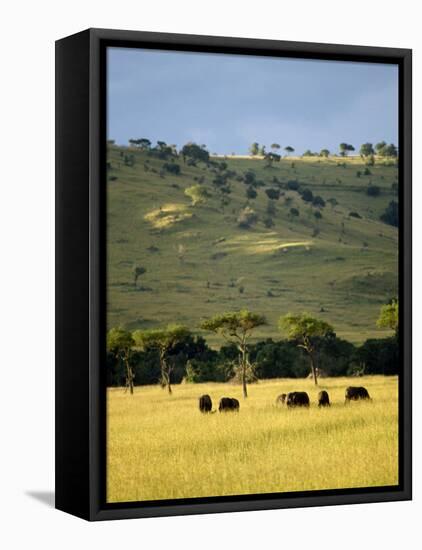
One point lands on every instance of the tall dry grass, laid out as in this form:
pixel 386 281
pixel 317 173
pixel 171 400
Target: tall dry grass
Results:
pixel 161 447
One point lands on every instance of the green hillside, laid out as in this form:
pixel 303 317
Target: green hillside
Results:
pixel 200 262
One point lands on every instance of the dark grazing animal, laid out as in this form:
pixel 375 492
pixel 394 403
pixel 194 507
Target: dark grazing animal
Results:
pixel 297 399
pixel 354 393
pixel 323 399
pixel 205 403
pixel 281 399
pixel 228 404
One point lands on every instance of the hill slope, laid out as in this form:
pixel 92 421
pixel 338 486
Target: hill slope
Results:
pixel 200 262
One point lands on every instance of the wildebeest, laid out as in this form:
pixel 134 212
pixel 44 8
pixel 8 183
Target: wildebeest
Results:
pixel 281 399
pixel 205 403
pixel 228 404
pixel 297 399
pixel 323 399
pixel 354 393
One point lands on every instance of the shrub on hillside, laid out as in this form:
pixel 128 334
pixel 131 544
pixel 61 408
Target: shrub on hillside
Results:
pixel 373 191
pixel 172 168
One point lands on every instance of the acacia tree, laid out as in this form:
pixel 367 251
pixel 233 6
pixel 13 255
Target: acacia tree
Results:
pixel 307 332
pixel 366 150
pixel 163 340
pixel 120 342
pixel 236 328
pixel 389 316
pixel 275 146
pixel 289 149
pixel 345 148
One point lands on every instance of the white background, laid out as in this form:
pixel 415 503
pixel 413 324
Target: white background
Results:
pixel 28 32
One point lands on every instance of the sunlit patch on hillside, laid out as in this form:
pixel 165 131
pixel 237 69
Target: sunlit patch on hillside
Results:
pixel 250 244
pixel 167 215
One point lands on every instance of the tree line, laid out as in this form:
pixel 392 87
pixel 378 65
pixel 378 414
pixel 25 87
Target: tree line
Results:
pixel 174 353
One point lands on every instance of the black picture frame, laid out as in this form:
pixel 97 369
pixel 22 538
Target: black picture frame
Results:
pixel 80 272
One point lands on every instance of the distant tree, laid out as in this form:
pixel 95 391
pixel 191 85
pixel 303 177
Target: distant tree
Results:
pixel 251 193
pixel 262 151
pixel 120 343
pixel 273 194
pixel 318 201
pixel 197 193
pixel 389 316
pixel 366 150
pixel 307 332
pixel 390 150
pixel 172 168
pixel 324 153
pixel 294 212
pixel 137 271
pixel 275 146
pixel 308 153
pixel 195 152
pixel 254 149
pixel 249 177
pixel 379 148
pixel 236 328
pixel 289 149
pixel 164 340
pixel 391 214
pixel 144 143
pixel 307 195
pixel 345 148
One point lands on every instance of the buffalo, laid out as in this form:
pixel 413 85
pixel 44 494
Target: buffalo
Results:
pixel 297 399
pixel 228 404
pixel 205 403
pixel 323 399
pixel 355 393
pixel 281 399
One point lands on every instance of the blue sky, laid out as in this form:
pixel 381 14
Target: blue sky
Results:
pixel 229 101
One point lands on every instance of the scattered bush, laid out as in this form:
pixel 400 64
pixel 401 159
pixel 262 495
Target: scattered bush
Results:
pixel 293 185
pixel 318 201
pixel 172 168
pixel 307 195
pixel 373 190
pixel 355 215
pixel 251 193
pixel 391 214
pixel 273 194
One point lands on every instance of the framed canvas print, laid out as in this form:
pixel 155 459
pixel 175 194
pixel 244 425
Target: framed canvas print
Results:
pixel 233 274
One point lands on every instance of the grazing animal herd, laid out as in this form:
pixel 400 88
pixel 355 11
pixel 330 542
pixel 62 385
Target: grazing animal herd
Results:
pixel 291 399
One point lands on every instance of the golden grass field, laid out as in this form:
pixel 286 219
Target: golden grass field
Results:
pixel 162 447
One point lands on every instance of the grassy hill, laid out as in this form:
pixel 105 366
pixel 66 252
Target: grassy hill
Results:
pixel 200 262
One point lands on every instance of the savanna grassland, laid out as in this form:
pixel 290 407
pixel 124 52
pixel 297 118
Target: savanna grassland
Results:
pixel 199 262
pixel 162 447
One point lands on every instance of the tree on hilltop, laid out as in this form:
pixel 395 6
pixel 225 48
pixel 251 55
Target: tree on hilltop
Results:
pixel 345 148
pixel 254 149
